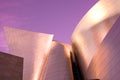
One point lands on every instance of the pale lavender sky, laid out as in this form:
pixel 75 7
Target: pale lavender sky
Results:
pixel 58 17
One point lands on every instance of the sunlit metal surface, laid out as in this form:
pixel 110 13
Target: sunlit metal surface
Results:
pixel 32 46
pixel 3 44
pixel 105 64
pixel 58 64
pixel 93 28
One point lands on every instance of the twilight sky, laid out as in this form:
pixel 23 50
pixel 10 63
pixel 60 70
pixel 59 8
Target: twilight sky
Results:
pixel 58 17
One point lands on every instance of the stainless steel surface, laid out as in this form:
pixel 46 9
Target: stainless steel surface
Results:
pixel 33 47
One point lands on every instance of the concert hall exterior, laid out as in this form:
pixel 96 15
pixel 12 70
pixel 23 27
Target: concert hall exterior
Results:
pixel 95 44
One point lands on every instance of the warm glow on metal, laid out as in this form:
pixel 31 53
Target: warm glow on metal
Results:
pixel 32 47
pixel 96 14
pixel 93 28
pixel 86 46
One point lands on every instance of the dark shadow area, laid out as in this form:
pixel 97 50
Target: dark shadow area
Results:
pixel 77 72
pixel 11 67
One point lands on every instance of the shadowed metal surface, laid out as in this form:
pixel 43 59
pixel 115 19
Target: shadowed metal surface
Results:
pixel 11 67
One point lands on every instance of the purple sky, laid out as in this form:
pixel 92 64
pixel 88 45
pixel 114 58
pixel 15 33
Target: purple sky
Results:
pixel 58 17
